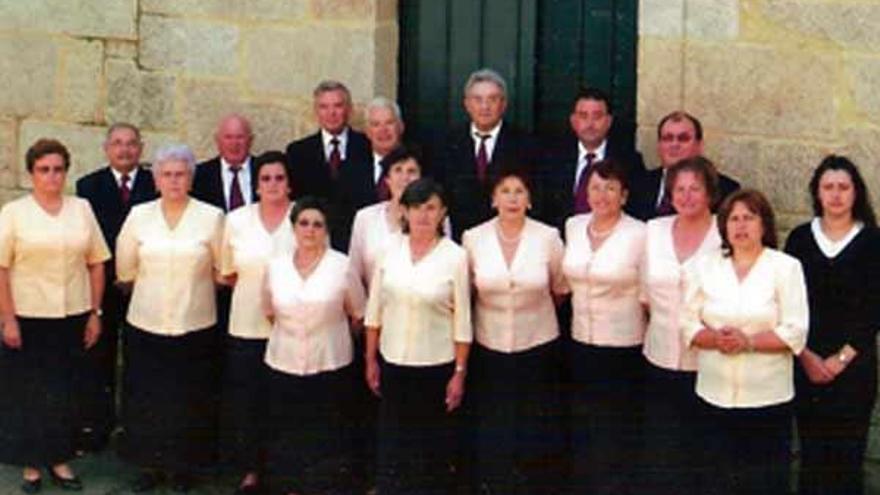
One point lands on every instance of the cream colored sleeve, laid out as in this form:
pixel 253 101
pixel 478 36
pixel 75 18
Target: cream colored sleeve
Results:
pixel 558 282
pixel 694 298
pixel 373 316
pixel 227 259
pixel 462 329
pixel 355 297
pixel 7 237
pixel 794 318
pixel 98 250
pixel 127 244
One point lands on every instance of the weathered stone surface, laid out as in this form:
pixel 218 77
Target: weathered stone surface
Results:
pixel 788 167
pixel 761 90
pixel 261 10
pixel 661 89
pixel 712 19
pixel 94 18
pixel 386 42
pixel 145 99
pixel 864 72
pixel 154 140
pixel 862 146
pixel 738 157
pixel 83 141
pixel 10 164
pixel 661 18
pixel 197 47
pixel 81 80
pixel 850 23
pixel 319 51
pixel 121 49
pixel 386 10
pixel 28 69
pixel 333 10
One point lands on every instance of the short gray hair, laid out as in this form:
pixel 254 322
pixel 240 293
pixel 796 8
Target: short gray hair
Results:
pixel 174 153
pixel 386 103
pixel 485 75
pixel 122 125
pixel 329 85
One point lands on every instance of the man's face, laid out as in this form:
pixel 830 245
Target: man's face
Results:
pixel 590 122
pixel 677 141
pixel 233 139
pixel 485 104
pixel 123 149
pixel 383 130
pixel 332 110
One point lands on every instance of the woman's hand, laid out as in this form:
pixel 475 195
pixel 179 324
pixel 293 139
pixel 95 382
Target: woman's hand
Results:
pixel 815 368
pixel 11 334
pixel 454 391
pixel 732 340
pixel 93 330
pixel 373 376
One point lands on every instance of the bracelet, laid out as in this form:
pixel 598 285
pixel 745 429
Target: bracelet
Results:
pixel 460 369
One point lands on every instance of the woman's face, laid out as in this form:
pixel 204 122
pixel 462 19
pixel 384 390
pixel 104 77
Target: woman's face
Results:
pixel 48 174
pixel 310 229
pixel 689 195
pixel 837 193
pixel 424 219
pixel 511 198
pixel 744 228
pixel 400 175
pixel 606 196
pixel 173 180
pixel 273 186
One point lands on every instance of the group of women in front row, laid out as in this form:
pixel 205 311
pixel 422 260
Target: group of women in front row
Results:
pixel 679 375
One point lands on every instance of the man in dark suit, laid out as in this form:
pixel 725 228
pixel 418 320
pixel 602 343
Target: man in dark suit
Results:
pixel 333 163
pixel 112 191
pixel 679 136
pixel 385 132
pixel 228 180
pixel 566 162
pixel 469 158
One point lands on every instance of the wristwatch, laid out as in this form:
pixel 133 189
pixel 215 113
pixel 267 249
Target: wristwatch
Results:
pixel 842 357
pixel 97 312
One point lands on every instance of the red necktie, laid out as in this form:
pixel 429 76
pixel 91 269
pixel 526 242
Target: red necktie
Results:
pixel 665 206
pixel 124 190
pixel 235 197
pixel 482 157
pixel 335 159
pixel 581 196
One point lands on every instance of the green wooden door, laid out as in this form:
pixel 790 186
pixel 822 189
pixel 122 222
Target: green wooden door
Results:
pixel 544 48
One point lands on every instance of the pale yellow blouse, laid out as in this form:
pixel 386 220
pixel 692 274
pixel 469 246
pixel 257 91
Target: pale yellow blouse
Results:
pixel 605 284
pixel 48 256
pixel 370 235
pixel 664 287
pixel 514 308
pixel 311 332
pixel 772 297
pixel 247 248
pixel 172 269
pixel 422 308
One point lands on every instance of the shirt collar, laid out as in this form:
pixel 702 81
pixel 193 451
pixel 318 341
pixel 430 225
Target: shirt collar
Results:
pixel 326 137
pixel 599 152
pixel 118 175
pixel 245 165
pixel 493 134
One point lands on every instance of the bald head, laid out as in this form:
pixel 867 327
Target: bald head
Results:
pixel 233 138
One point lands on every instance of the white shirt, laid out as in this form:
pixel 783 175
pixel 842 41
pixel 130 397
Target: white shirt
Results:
pixel 370 236
pixel 326 138
pixel 377 167
pixel 422 308
pixel 244 180
pixel 582 159
pixel 118 176
pixel 490 141
pixel 663 279
pixel 514 310
pixel 311 332
pixel 772 297
pixel 605 284
pixel 247 248
pixel 829 247
pixel 662 191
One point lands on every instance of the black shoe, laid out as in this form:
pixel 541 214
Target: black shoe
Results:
pixel 181 482
pixel 251 489
pixel 73 484
pixel 145 482
pixel 31 486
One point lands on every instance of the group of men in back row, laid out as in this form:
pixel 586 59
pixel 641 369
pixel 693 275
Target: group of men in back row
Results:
pixel 343 166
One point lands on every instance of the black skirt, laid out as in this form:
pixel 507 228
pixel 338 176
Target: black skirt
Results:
pixel 243 405
pixel 170 400
pixel 38 402
pixel 309 441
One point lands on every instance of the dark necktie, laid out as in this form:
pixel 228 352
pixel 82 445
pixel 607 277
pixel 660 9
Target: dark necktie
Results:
pixel 382 192
pixel 335 159
pixel 482 157
pixel 581 196
pixel 235 197
pixel 665 206
pixel 124 190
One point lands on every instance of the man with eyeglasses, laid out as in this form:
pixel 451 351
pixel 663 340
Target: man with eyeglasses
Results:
pixel 679 136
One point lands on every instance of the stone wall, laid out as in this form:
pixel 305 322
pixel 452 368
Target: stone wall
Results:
pixel 778 84
pixel 69 68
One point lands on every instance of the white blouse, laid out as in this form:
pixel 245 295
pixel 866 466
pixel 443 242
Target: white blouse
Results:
pixel 772 297
pixel 605 284
pixel 514 310
pixel 311 332
pixel 247 248
pixel 370 236
pixel 424 308
pixel 172 268
pixel 663 279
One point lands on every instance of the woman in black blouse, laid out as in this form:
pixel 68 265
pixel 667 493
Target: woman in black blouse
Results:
pixel 837 379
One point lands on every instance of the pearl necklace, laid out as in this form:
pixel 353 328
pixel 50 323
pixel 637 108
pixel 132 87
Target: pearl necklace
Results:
pixel 507 240
pixel 600 234
pixel 311 266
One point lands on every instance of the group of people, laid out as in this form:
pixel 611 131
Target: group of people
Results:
pixel 511 317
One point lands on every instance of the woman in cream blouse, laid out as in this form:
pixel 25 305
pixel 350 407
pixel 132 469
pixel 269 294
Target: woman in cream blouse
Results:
pixel 602 263
pixel 746 315
pixel 310 295
pixel 419 320
pixel 675 243
pixel 170 250
pixel 516 270
pixel 52 257
pixel 253 235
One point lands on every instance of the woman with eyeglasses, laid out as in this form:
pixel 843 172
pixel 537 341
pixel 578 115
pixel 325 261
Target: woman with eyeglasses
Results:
pixel 314 299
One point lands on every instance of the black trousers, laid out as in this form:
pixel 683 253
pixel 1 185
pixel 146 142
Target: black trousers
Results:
pixel 243 405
